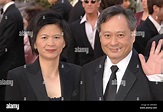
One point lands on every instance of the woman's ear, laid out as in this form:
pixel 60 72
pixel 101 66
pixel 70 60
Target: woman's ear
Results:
pixel 35 46
pixel 64 45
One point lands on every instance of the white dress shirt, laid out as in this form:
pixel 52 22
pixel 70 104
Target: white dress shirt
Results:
pixel 158 26
pixel 122 65
pixel 7 5
pixel 5 8
pixel 90 32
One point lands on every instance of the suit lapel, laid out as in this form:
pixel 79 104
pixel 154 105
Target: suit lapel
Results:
pixel 129 77
pixel 66 81
pixel 98 78
pixel 35 79
pixel 152 27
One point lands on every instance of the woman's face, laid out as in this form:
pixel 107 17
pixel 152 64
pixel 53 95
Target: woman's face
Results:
pixel 126 4
pixel 144 4
pixel 50 42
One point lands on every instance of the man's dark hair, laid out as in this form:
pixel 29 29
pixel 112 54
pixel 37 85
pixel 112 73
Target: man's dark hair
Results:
pixel 151 3
pixel 117 10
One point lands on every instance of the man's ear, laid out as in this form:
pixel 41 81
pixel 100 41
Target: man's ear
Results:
pixel 133 35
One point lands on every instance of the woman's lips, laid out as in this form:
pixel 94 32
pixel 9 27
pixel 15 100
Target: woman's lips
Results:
pixel 50 50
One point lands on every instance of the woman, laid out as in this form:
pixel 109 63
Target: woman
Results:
pixel 126 4
pixel 142 16
pixel 47 78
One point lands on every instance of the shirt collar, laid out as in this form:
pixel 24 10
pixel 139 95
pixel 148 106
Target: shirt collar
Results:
pixel 122 64
pixel 7 5
pixel 158 27
pixel 84 19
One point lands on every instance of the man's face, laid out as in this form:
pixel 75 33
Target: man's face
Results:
pixel 160 13
pixel 116 38
pixel 91 6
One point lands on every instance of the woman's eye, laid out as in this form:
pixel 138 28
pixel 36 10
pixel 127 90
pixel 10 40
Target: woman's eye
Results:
pixel 43 37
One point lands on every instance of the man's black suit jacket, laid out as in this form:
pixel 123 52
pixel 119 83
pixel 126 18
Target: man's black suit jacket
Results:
pixel 80 41
pixel 144 33
pixel 149 43
pixel 137 86
pixel 76 12
pixel 63 7
pixel 11 41
pixel 28 83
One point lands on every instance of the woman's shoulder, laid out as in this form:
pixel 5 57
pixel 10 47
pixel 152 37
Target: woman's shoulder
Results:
pixel 22 69
pixel 17 72
pixel 18 69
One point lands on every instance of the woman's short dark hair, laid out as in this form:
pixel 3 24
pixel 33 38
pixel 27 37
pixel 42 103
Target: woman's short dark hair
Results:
pixel 48 17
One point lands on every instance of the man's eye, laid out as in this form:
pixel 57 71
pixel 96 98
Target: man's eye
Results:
pixel 57 37
pixel 121 35
pixel 106 35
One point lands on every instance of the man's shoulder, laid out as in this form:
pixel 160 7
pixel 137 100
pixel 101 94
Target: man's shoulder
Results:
pixel 97 62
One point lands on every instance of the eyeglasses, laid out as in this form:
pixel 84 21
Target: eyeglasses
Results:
pixel 92 1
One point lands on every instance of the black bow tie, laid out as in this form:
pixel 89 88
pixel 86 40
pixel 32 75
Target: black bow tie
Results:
pixel 1 10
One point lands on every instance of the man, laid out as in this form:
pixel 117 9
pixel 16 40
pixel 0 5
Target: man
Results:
pixel 116 27
pixel 85 44
pixel 11 41
pixel 151 26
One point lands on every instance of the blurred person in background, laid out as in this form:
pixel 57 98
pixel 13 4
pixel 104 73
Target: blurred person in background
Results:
pixel 142 15
pixel 85 43
pixel 11 41
pixel 63 7
pixel 77 12
pixel 107 3
pixel 126 4
pixel 29 14
pixel 151 27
